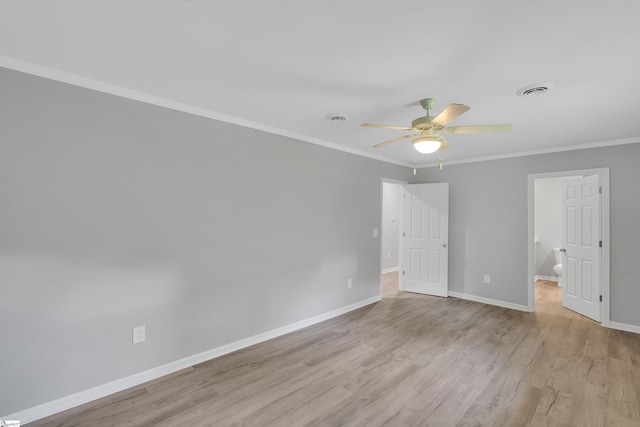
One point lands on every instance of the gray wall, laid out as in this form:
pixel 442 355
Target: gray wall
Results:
pixel 547 222
pixel 391 211
pixel 488 223
pixel 116 213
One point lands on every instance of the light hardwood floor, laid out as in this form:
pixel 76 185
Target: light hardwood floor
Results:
pixel 407 360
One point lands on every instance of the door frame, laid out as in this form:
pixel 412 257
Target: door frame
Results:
pixel 604 224
pixel 381 233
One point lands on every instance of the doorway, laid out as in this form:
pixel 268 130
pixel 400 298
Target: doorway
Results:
pixel 417 262
pixel 547 242
pixel 390 232
pixel 541 239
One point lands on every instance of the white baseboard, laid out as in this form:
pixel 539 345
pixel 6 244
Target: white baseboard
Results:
pixel 625 327
pixel 390 270
pixel 489 301
pixel 548 278
pixel 71 401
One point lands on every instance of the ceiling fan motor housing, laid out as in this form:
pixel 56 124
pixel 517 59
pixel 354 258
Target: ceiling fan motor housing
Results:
pixel 424 123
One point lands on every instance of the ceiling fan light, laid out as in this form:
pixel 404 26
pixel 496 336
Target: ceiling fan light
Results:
pixel 427 145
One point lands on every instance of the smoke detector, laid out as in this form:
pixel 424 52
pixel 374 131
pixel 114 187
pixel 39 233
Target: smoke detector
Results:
pixel 336 117
pixel 535 89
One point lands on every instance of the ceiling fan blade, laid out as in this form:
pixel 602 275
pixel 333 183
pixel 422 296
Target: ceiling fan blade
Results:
pixel 445 144
pixel 450 113
pixel 372 125
pixel 479 129
pixel 393 141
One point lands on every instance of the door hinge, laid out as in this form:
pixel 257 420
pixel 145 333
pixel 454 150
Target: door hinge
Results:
pixel 403 272
pixel 600 243
pixel 403 234
pixel 600 298
pixel 600 190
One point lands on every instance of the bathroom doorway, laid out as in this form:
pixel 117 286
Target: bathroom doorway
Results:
pixel 548 236
pixel 547 239
pixel 547 227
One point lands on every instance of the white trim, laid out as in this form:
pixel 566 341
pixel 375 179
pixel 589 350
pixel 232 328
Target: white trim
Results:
pixel 625 327
pixel 71 401
pixel 390 270
pixel 612 142
pixel 75 80
pixel 489 301
pixel 605 286
pixel 547 278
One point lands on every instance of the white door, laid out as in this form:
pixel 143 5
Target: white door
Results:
pixel 581 243
pixel 425 238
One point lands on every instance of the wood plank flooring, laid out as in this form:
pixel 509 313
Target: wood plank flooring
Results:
pixel 409 360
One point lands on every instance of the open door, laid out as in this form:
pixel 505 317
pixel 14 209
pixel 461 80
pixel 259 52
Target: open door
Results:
pixel 581 246
pixel 425 254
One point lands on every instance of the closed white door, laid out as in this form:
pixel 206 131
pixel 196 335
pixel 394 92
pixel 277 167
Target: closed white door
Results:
pixel 581 244
pixel 425 254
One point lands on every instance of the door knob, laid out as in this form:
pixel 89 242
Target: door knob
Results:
pixel 444 245
pixel 563 250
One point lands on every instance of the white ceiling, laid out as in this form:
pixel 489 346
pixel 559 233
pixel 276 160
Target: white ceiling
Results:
pixel 284 65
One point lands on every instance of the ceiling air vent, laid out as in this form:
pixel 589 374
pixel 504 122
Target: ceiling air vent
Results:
pixel 336 117
pixel 536 89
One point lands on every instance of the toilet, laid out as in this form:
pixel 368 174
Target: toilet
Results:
pixel 558 267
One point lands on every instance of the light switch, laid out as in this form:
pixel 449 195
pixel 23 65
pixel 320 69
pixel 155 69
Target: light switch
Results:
pixel 376 232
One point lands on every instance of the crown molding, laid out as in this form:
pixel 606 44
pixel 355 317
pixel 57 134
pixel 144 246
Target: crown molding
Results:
pixel 75 80
pixel 536 152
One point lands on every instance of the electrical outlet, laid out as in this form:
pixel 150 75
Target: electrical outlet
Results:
pixel 487 279
pixel 349 283
pixel 139 334
pixel 388 254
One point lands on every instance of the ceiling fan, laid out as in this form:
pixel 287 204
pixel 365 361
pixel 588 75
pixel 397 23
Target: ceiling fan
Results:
pixel 427 129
